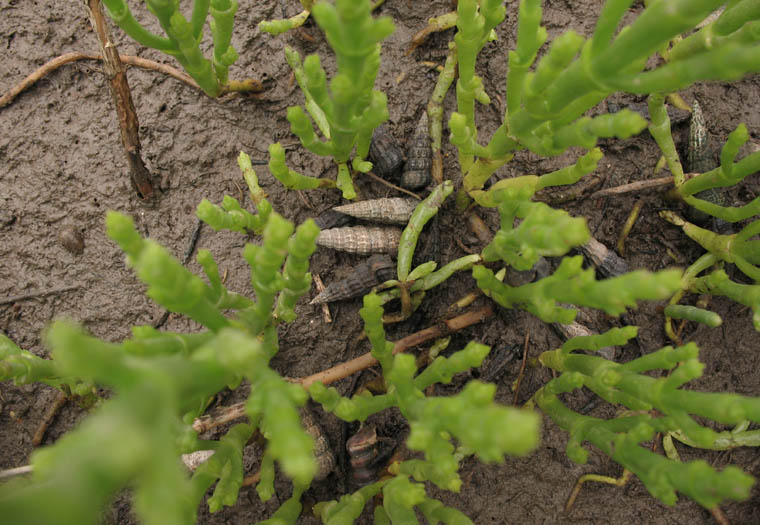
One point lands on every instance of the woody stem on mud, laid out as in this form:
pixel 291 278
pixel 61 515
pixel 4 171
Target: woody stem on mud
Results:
pixel 120 93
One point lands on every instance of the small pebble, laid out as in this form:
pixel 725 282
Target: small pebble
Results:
pixel 71 239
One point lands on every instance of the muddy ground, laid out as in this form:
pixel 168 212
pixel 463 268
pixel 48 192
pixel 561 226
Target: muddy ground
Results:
pixel 61 165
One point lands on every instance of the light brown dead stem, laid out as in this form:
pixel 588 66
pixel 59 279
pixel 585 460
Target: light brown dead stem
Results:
pixel 348 368
pixel 122 97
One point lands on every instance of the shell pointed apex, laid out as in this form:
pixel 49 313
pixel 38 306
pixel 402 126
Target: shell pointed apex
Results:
pixel 422 124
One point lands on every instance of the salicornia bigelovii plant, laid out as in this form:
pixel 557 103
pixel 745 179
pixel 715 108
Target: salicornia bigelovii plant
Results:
pixel 645 397
pixel 161 381
pixel 545 107
pixel 349 110
pixel 183 37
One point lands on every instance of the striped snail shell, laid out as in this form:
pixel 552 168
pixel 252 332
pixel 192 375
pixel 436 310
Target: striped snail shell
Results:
pixel 385 153
pixel 361 239
pixel 368 274
pixel 322 451
pixel 419 159
pixel 362 451
pixel 395 210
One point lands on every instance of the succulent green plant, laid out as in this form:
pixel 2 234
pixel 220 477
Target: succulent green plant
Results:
pixel 545 106
pixel 160 381
pixel 347 112
pixel 626 384
pixel 183 37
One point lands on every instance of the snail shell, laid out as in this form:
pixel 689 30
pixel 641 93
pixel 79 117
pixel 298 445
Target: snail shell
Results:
pixel 419 159
pixel 362 451
pixel 606 261
pixel 375 270
pixel 385 153
pixel 331 219
pixel 322 452
pixel 700 159
pixel 361 239
pixel 575 329
pixel 195 459
pixel 71 239
pixel 698 153
pixel 395 210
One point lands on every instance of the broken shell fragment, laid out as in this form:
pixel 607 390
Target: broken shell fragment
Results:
pixel 361 239
pixel 419 158
pixel 606 261
pixel 385 153
pixel 375 270
pixel 396 210
pixel 322 451
pixel 195 459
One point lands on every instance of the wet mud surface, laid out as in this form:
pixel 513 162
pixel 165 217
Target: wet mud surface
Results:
pixel 62 167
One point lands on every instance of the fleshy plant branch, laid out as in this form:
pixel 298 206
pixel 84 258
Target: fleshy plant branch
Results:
pixel 544 106
pixel 163 380
pixel 548 232
pixel 620 437
pixel 347 112
pixel 488 430
pixel 183 37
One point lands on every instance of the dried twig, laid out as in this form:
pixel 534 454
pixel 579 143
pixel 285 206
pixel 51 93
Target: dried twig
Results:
pixel 193 242
pixel 252 479
pixel 52 410
pixel 639 185
pixel 41 72
pixel 320 286
pixel 633 186
pixel 719 517
pixel 629 226
pixel 336 373
pixel 57 62
pixel 11 472
pixel 442 329
pixel 618 482
pixel 122 97
pixel 42 293
pixel 391 185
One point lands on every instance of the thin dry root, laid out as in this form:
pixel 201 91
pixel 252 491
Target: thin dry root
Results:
pixel 252 85
pixel 52 410
pixel 628 226
pixel 618 482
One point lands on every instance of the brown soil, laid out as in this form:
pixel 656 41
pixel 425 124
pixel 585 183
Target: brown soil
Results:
pixel 62 166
